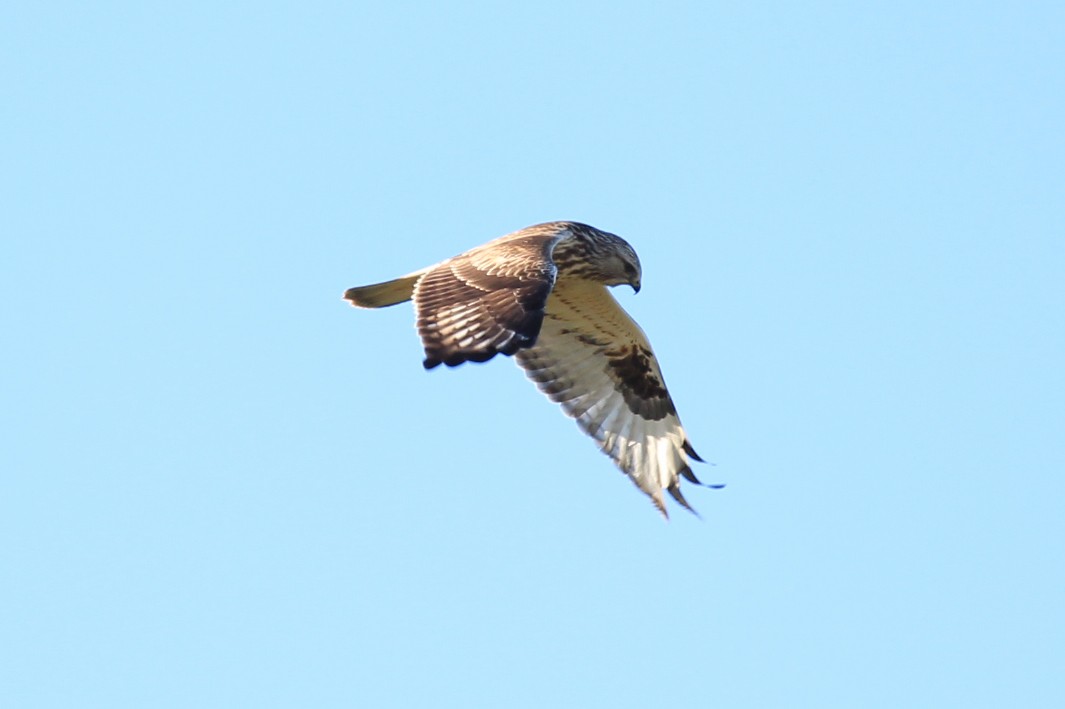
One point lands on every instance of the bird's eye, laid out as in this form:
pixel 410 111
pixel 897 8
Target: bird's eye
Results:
pixel 630 270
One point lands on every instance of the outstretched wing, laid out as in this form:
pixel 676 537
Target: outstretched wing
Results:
pixel 594 360
pixel 487 301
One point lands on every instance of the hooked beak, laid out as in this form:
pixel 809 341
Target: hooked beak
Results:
pixel 635 286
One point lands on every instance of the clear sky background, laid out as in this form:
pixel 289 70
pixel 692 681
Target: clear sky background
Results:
pixel 222 486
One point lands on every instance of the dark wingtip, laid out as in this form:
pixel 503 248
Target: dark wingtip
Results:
pixel 691 451
pixel 686 471
pixel 674 490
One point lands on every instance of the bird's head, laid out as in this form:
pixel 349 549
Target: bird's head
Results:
pixel 608 258
pixel 623 266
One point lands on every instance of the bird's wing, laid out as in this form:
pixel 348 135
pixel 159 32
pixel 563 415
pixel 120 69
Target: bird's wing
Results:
pixel 595 361
pixel 487 301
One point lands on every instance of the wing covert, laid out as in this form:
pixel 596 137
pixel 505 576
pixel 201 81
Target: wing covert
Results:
pixel 487 301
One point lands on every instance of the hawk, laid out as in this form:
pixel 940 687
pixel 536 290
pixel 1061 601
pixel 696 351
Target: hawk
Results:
pixel 540 294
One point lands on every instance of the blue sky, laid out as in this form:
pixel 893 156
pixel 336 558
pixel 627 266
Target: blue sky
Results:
pixel 224 487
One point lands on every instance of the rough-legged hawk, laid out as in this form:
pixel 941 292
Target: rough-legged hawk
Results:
pixel 540 294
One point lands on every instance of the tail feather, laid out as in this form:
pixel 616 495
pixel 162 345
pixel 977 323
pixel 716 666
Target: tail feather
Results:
pixel 382 295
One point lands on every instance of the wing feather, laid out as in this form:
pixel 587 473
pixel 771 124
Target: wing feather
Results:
pixel 594 360
pixel 487 301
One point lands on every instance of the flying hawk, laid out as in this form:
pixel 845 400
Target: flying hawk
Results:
pixel 540 294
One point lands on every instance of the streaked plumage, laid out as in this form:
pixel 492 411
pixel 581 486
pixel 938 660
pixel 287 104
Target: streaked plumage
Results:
pixel 541 295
